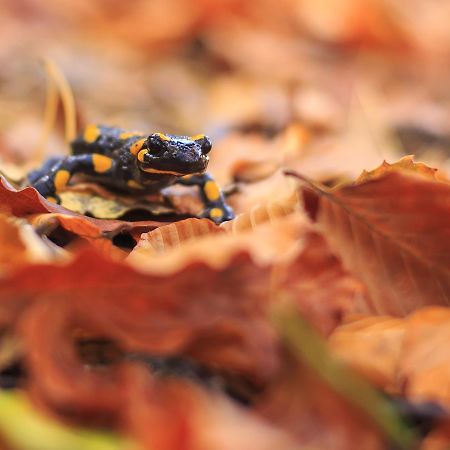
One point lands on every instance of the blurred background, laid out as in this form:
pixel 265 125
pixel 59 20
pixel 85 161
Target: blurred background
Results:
pixel 338 85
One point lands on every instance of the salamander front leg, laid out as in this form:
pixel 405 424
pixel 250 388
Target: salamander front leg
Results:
pixel 56 176
pixel 216 208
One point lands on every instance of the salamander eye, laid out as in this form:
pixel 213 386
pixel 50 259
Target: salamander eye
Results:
pixel 205 143
pixel 156 144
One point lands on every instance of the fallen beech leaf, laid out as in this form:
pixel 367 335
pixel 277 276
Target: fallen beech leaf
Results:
pixel 172 414
pixel 175 234
pixel 217 317
pixel 393 234
pixel 317 400
pixel 28 203
pixel 25 201
pixel 275 188
pixel 406 356
pixel 267 244
pixel 263 213
pixel 424 365
pixel 371 345
pixel 406 163
pixel 104 208
pixel 317 284
pixel 438 439
pixel 20 245
pixel 250 171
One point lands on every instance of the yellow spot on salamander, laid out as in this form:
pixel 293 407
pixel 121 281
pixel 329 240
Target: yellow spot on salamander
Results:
pixel 134 184
pixel 216 213
pixel 52 199
pixel 197 137
pixel 127 135
pixel 61 179
pixel 101 163
pixel 211 190
pixel 163 136
pixel 141 155
pixel 137 146
pixel 91 133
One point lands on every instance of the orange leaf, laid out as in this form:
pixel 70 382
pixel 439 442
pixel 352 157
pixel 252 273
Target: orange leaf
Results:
pixel 174 234
pixel 318 285
pixel 28 202
pixel 424 366
pixel 371 345
pixel 438 439
pixel 406 163
pixel 393 233
pixel 216 317
pixel 318 417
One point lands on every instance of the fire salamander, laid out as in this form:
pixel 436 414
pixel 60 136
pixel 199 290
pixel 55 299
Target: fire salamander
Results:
pixel 136 163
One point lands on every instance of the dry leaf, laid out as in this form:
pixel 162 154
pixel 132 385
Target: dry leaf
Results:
pixel 317 284
pixel 305 406
pixel 175 234
pixel 404 164
pixel 438 439
pixel 174 414
pixel 104 208
pixel 371 345
pixel 424 366
pixel 270 243
pixel 263 213
pixel 393 234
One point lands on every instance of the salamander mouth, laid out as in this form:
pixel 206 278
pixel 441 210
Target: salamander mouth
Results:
pixel 174 168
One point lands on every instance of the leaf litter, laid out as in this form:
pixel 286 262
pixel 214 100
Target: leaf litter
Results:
pixel 317 318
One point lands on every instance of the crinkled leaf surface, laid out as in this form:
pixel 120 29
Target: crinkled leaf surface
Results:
pixel 393 233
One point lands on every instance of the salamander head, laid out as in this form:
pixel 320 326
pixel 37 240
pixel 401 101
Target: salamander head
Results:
pixel 163 154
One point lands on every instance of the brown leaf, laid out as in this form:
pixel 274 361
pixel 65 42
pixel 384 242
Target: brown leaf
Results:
pixel 405 356
pixel 25 201
pixel 109 208
pixel 424 366
pixel 438 439
pixel 28 203
pixel 175 234
pixel 176 414
pixel 263 213
pixel 20 245
pixel 404 164
pixel 318 285
pixel 393 234
pixel 216 317
pixel 268 244
pixel 301 403
pixel 250 171
pixel 371 345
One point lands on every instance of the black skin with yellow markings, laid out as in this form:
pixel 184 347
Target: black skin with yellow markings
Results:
pixel 135 163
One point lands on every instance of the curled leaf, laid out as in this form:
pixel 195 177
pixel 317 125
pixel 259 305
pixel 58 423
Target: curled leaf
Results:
pixel 174 234
pixel 404 164
pixel 268 244
pixel 263 213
